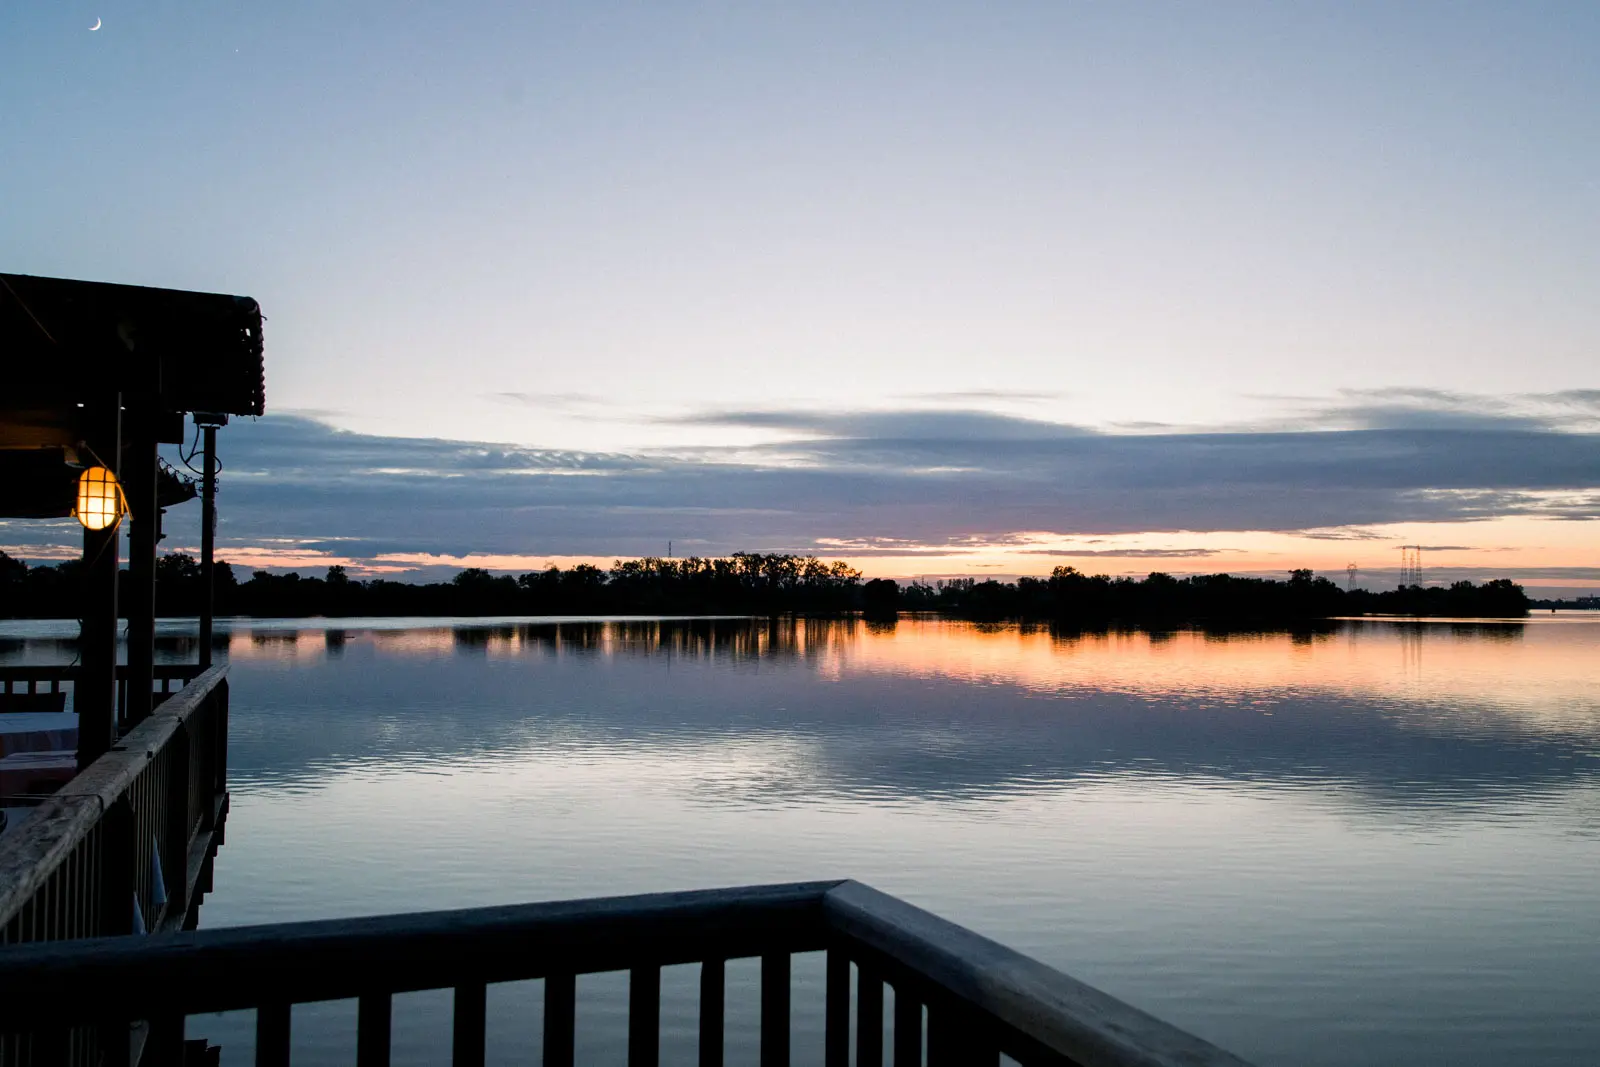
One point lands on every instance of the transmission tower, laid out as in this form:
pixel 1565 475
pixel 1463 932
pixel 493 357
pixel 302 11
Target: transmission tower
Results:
pixel 1410 565
pixel 1350 578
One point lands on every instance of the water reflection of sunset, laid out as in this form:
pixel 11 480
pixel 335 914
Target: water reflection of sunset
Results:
pixel 1540 672
pixel 1544 667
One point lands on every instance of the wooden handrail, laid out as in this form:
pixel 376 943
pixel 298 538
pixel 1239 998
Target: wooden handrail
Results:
pixel 982 997
pixel 242 967
pixel 1056 1012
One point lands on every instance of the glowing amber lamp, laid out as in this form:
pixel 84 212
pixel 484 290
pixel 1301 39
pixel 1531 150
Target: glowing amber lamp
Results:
pixel 100 500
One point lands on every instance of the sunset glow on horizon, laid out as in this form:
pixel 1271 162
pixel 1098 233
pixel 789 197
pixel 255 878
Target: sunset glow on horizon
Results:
pixel 1451 551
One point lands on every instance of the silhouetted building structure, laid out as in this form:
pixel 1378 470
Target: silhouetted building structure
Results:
pixel 115 835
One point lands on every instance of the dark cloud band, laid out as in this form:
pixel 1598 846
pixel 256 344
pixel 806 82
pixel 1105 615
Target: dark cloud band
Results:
pixel 913 478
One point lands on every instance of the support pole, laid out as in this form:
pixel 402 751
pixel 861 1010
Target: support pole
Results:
pixel 95 687
pixel 144 531
pixel 208 537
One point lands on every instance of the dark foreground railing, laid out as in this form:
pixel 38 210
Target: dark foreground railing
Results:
pixel 976 998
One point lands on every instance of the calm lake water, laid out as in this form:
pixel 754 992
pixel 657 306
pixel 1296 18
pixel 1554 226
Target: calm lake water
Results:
pixel 1378 844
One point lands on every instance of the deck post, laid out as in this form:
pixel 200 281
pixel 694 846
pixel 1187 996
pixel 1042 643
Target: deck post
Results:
pixel 94 694
pixel 869 1017
pixel 644 1016
pixel 175 848
pixel 139 481
pixel 208 535
pixel 713 1004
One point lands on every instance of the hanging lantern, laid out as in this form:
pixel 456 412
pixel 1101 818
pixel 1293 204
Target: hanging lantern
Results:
pixel 100 500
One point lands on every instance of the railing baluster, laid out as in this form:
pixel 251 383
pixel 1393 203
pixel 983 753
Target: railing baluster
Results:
pixel 467 1047
pixel 713 986
pixel 272 1035
pixel 373 1018
pixel 644 1017
pixel 907 1027
pixel 775 1009
pixel 560 1016
pixel 837 1040
pixel 869 1017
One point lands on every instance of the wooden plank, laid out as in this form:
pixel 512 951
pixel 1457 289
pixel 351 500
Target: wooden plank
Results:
pixel 836 1040
pixel 239 967
pixel 1030 1000
pixel 644 1017
pixel 775 989
pixel 713 996
pixel 560 1019
pixel 272 1034
pixel 470 1020
pixel 869 1017
pixel 374 1019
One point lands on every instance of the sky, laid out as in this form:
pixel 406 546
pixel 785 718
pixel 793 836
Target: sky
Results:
pixel 936 288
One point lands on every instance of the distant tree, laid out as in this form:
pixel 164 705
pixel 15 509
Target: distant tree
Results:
pixel 177 568
pixel 12 570
pixel 881 596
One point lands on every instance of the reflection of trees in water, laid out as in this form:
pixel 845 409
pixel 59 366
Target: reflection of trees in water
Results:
pixel 784 637
pixel 1067 635
pixel 1497 632
pixel 274 638
pixel 588 683
pixel 479 638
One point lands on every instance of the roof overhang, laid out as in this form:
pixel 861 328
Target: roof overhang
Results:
pixel 63 342
pixel 66 346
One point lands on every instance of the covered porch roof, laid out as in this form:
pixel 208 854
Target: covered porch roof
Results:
pixel 65 345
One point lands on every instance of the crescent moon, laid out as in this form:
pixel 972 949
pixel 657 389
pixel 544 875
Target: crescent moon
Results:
pixel 96 26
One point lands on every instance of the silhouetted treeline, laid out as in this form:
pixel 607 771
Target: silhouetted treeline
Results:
pixel 754 584
pixel 1069 594
pixel 745 583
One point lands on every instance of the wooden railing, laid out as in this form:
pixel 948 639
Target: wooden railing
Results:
pixel 976 998
pixel 36 680
pixel 127 842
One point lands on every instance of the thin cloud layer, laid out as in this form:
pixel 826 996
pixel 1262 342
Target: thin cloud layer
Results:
pixel 903 478
pixel 1410 408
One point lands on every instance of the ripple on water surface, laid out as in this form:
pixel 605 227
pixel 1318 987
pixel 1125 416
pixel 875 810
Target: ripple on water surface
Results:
pixel 1372 843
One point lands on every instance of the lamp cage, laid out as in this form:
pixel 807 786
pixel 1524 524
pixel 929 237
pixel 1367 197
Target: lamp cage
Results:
pixel 100 500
